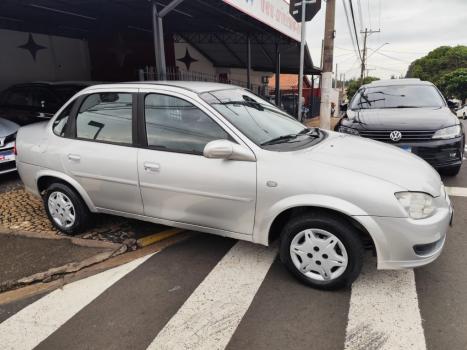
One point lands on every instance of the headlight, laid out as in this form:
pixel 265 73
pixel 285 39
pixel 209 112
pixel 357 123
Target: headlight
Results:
pixel 347 130
pixel 418 205
pixel 448 133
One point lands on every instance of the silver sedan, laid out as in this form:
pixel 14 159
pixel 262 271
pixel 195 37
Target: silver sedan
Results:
pixel 8 131
pixel 218 159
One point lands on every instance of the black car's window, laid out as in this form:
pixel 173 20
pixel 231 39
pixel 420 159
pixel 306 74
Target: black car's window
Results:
pixel 105 117
pixel 397 96
pixel 18 97
pixel 60 123
pixel 173 124
pixel 44 99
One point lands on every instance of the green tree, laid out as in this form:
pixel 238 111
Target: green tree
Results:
pixel 354 85
pixel 454 84
pixel 438 62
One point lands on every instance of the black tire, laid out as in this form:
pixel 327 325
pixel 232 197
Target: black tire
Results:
pixel 81 211
pixel 346 233
pixel 450 171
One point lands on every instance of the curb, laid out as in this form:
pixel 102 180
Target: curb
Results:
pixel 90 243
pixel 54 272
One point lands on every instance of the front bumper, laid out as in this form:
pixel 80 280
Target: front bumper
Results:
pixel 438 153
pixel 406 243
pixel 7 159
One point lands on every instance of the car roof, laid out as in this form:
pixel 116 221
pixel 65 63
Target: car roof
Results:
pixel 391 82
pixel 193 86
pixel 56 83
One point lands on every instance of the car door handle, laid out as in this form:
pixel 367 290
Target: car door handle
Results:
pixel 75 157
pixel 152 167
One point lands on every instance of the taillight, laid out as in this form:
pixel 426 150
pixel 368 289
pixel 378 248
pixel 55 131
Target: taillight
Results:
pixel 15 150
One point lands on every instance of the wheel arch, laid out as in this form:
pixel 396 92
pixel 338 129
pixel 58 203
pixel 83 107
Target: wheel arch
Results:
pixel 271 226
pixel 46 178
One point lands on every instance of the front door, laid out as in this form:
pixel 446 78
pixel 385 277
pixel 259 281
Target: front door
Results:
pixel 101 156
pixel 178 183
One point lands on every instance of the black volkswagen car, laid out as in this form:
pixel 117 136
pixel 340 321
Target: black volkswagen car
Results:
pixel 33 102
pixel 410 114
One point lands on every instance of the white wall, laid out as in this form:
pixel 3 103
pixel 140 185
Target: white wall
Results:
pixel 62 59
pixel 203 65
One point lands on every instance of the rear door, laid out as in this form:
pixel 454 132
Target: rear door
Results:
pixel 177 182
pixel 100 153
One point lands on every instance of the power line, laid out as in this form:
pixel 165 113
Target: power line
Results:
pixel 355 28
pixel 350 28
pixel 369 13
pixel 392 58
pixel 360 13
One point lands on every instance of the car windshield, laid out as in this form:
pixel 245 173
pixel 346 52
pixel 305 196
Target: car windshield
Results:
pixel 397 96
pixel 259 120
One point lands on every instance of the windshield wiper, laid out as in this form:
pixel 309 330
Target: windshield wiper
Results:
pixel 286 138
pixel 280 139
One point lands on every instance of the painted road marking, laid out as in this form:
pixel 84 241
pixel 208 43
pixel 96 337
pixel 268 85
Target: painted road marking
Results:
pixel 210 316
pixel 456 191
pixel 157 237
pixel 30 326
pixel 384 312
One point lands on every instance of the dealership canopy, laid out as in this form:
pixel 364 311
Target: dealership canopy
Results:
pixel 225 32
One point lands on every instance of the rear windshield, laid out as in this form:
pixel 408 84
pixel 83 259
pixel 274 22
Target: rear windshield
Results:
pixel 397 96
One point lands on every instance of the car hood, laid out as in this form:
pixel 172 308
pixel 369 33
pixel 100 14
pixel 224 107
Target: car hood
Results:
pixel 378 160
pixel 400 118
pixel 7 127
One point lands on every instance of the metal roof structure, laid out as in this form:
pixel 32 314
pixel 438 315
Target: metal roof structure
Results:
pixel 216 29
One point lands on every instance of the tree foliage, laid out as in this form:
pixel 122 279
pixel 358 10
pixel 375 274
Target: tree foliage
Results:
pixel 439 67
pixel 354 85
pixel 454 84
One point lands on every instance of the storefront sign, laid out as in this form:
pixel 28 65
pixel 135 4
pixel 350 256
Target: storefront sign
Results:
pixel 274 13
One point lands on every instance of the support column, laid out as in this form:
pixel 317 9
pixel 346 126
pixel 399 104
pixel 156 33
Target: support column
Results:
pixel 248 62
pixel 158 34
pixel 278 76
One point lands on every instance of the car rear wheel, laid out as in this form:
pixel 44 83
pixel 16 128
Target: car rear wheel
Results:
pixel 321 251
pixel 65 209
pixel 450 171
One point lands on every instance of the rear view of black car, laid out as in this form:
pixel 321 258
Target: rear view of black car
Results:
pixel 410 114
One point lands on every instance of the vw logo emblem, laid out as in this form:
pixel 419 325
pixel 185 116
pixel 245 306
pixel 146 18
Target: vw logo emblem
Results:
pixel 395 135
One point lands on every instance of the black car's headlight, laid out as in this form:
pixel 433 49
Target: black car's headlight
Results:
pixel 448 133
pixel 348 130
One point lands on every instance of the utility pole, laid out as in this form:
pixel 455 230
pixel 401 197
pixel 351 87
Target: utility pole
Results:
pixel 365 33
pixel 302 60
pixel 326 74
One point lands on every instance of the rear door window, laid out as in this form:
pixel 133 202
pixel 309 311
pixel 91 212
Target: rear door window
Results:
pixel 106 117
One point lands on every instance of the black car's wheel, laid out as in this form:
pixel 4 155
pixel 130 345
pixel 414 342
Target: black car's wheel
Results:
pixel 66 209
pixel 450 171
pixel 321 251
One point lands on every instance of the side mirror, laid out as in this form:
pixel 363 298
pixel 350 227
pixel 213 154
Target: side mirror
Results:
pixel 451 104
pixel 344 107
pixel 224 149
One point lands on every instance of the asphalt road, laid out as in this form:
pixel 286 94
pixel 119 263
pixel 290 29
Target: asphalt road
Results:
pixel 212 292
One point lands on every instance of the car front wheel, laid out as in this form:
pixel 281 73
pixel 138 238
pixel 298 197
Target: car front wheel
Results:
pixel 65 209
pixel 321 251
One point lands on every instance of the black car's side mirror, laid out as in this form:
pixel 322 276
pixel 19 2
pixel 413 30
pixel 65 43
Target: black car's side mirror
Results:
pixel 451 104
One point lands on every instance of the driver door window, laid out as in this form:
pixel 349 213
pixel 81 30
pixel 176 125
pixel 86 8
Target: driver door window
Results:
pixel 175 125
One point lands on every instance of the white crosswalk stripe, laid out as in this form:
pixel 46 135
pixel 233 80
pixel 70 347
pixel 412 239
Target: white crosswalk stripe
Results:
pixel 456 191
pixel 30 326
pixel 210 316
pixel 384 312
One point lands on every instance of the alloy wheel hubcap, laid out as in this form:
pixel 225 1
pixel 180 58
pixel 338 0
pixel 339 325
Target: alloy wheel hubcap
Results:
pixel 61 209
pixel 318 254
